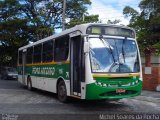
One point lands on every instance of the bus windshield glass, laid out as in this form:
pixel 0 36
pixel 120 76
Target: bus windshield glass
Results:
pixel 113 55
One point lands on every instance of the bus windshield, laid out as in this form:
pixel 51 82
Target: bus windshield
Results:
pixel 113 55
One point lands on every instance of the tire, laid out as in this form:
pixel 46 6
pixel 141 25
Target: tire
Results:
pixel 29 84
pixel 62 92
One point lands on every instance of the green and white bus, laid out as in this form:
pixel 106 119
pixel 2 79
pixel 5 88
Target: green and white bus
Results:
pixel 89 61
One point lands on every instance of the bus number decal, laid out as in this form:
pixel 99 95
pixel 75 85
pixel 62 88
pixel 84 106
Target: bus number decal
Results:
pixel 67 74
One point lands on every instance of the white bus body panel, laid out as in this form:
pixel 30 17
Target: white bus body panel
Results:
pixel 48 84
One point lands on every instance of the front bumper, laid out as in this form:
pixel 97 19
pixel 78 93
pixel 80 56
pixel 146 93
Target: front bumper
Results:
pixel 12 77
pixel 94 91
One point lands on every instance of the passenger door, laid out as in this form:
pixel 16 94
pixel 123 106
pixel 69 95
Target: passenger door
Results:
pixel 77 65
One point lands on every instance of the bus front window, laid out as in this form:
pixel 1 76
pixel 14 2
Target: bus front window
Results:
pixel 113 55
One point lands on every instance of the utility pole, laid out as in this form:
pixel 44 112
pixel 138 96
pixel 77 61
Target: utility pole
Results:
pixel 63 15
pixel 83 17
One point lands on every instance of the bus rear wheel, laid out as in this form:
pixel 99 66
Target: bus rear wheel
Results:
pixel 62 92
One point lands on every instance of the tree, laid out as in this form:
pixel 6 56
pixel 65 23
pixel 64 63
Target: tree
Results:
pixel 84 19
pixel 146 24
pixel 46 15
pixel 151 10
pixel 22 21
pixel 13 31
pixel 113 22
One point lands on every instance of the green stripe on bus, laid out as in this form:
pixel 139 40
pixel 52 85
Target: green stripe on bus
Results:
pixel 50 71
pixel 97 90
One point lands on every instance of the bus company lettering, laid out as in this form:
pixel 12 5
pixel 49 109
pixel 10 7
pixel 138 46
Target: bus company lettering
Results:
pixel 43 70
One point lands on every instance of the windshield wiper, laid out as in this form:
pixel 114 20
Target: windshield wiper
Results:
pixel 123 53
pixel 110 49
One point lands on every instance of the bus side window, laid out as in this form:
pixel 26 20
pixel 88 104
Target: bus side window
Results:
pixel 37 53
pixel 47 55
pixel 61 48
pixel 29 57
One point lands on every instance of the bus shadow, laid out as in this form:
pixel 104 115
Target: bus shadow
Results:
pixel 95 105
pixel 85 105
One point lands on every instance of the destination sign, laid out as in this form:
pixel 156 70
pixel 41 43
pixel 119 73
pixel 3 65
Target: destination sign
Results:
pixel 110 30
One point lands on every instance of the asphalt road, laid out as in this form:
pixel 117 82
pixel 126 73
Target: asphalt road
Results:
pixel 16 99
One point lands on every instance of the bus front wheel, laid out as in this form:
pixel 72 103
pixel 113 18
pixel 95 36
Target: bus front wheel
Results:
pixel 62 92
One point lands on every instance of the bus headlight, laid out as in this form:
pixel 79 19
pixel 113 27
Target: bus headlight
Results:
pixel 100 84
pixel 104 85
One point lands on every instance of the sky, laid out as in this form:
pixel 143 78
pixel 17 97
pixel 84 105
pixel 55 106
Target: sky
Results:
pixel 112 9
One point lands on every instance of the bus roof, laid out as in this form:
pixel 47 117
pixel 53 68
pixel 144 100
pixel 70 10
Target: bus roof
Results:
pixel 82 28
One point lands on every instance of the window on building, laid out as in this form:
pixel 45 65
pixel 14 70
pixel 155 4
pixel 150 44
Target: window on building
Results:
pixel 37 53
pixel 29 57
pixel 47 55
pixel 61 48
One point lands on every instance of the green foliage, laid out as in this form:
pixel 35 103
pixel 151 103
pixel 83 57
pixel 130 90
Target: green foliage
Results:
pixel 157 45
pixel 22 21
pixel 13 31
pixel 146 24
pixel 84 19
pixel 113 22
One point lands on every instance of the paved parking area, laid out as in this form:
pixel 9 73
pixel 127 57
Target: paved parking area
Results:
pixel 16 99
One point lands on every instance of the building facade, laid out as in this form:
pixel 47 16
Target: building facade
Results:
pixel 151 72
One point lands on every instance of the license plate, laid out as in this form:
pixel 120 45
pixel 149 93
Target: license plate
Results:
pixel 120 90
